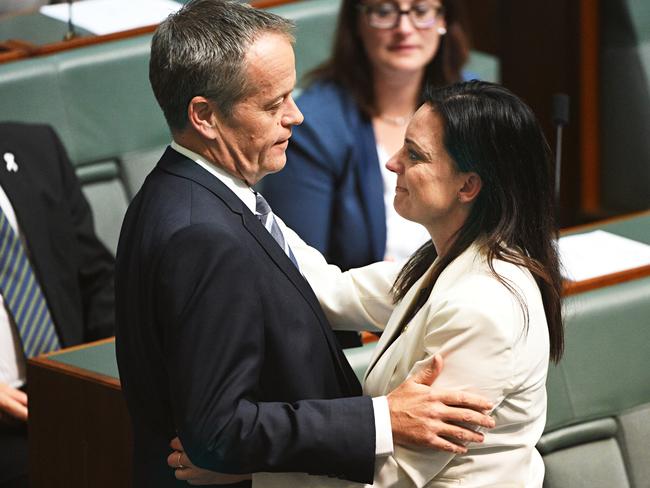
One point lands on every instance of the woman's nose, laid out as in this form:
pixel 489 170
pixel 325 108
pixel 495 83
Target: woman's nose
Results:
pixel 394 165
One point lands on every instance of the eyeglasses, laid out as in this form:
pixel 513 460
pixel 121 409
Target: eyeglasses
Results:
pixel 387 14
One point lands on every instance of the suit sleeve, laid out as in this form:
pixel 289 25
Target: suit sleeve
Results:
pixel 95 272
pixel 357 299
pixel 475 338
pixel 214 344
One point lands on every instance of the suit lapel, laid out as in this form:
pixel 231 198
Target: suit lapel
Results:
pixel 277 254
pixel 180 165
pixel 380 381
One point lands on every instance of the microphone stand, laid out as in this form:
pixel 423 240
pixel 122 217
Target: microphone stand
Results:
pixel 71 33
pixel 560 119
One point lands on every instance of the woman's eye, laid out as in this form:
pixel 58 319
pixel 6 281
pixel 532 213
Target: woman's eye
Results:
pixel 384 9
pixel 422 9
pixel 413 156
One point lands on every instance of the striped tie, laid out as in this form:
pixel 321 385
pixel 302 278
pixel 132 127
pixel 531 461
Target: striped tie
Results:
pixel 23 296
pixel 264 213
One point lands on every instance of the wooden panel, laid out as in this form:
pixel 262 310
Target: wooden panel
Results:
pixel 79 429
pixel 589 113
pixel 546 48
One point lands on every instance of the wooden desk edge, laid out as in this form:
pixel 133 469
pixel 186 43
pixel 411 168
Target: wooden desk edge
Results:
pixel 574 287
pixel 47 362
pixel 600 223
pixel 20 52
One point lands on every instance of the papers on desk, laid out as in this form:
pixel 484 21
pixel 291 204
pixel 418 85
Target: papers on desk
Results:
pixel 599 253
pixel 107 16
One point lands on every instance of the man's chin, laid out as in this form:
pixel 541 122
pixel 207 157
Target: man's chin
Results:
pixel 277 164
pixel 271 167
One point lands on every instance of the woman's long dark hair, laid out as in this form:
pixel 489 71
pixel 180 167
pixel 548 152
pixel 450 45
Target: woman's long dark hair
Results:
pixel 350 67
pixel 491 132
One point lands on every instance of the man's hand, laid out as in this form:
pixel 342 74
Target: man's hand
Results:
pixel 184 470
pixel 423 416
pixel 13 405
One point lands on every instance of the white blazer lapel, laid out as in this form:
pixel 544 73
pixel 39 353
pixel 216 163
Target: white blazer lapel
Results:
pixel 386 339
pixel 380 378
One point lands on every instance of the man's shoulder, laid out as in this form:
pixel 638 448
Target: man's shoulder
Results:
pixel 168 203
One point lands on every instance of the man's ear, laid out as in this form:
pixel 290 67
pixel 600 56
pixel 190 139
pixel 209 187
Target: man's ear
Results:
pixel 202 117
pixel 471 188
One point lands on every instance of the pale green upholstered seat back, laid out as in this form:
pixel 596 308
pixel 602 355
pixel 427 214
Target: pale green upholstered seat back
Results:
pixel 598 422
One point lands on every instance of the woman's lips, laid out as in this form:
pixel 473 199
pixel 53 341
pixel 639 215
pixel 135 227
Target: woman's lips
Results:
pixel 403 47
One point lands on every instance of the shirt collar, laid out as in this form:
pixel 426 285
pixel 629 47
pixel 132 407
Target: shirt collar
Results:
pixel 237 186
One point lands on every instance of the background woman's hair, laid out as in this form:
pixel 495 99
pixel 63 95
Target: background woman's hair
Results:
pixel 489 131
pixel 350 67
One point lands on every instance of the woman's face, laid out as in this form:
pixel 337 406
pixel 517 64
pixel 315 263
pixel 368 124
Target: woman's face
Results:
pixel 403 48
pixel 428 184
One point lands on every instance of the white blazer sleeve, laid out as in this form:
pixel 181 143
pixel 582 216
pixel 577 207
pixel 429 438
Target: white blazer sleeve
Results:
pixel 358 299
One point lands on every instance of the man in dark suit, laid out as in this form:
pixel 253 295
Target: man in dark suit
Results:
pixel 220 340
pixel 45 221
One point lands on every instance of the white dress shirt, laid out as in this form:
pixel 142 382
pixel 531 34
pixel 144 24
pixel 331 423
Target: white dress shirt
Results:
pixel 383 430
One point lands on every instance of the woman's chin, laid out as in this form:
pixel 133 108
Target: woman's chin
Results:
pixel 401 208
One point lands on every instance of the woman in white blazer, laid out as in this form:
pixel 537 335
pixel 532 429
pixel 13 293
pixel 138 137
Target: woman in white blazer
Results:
pixel 484 294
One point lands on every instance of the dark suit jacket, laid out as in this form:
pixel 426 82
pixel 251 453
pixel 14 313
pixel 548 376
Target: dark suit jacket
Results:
pixel 331 191
pixel 74 269
pixel 221 340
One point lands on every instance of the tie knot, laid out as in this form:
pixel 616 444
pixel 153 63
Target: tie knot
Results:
pixel 261 205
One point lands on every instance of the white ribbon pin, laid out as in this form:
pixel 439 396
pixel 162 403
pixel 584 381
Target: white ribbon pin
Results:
pixel 10 159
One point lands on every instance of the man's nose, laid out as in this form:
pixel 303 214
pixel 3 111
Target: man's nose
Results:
pixel 294 115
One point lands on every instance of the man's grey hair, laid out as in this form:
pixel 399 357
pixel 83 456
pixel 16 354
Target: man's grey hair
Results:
pixel 200 51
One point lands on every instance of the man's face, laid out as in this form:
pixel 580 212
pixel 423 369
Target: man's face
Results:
pixel 256 136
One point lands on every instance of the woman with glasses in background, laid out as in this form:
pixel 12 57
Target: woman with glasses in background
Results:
pixel 335 191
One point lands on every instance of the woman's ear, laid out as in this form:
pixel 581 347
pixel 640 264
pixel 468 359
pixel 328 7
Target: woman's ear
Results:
pixel 471 188
pixel 202 117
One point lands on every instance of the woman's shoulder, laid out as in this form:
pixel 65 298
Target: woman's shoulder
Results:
pixel 473 267
pixel 498 291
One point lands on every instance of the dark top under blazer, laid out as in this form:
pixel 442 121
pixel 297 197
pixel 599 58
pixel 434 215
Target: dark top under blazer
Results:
pixel 73 268
pixel 331 191
pixel 221 340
